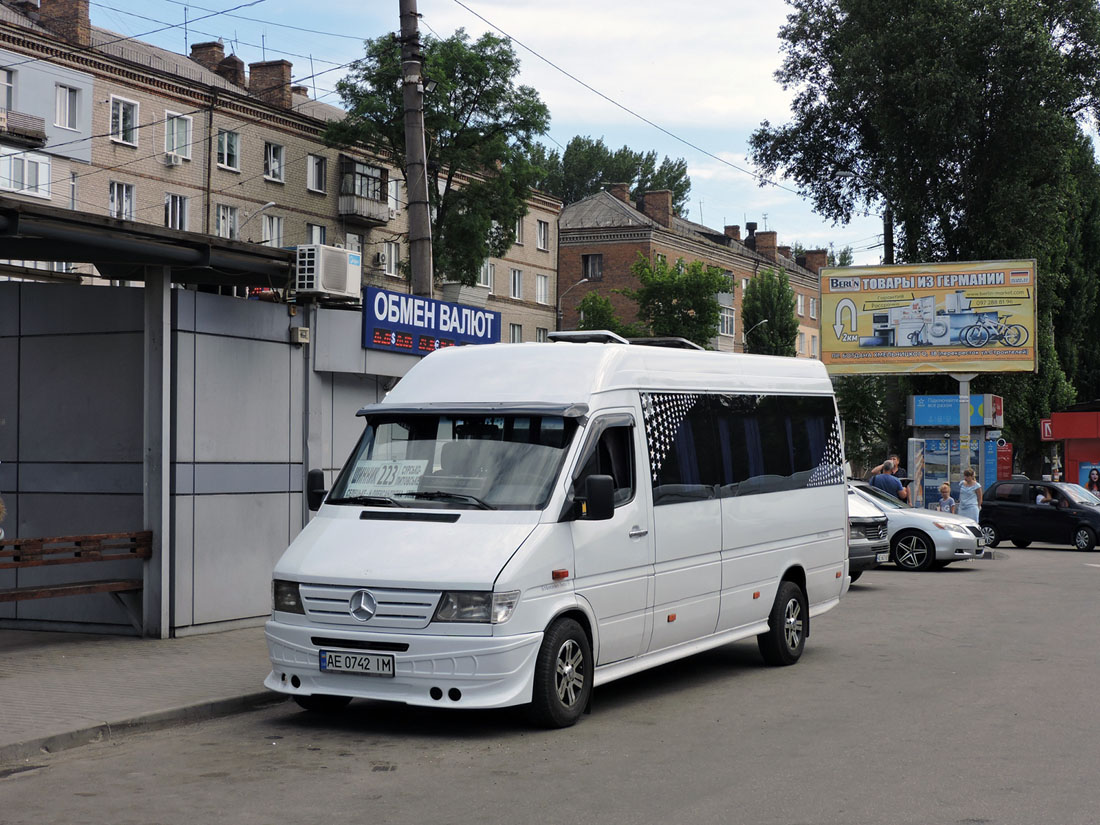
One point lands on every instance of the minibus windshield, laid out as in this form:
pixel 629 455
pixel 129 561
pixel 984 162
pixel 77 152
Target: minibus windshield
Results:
pixel 492 460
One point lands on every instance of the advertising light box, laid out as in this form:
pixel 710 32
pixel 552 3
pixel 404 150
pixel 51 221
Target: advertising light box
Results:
pixel 914 318
pixel 398 322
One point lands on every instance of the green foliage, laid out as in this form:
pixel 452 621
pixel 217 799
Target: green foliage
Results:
pixel 599 313
pixel 964 118
pixel 860 401
pixel 479 123
pixel 769 297
pixel 586 166
pixel 842 258
pixel 679 301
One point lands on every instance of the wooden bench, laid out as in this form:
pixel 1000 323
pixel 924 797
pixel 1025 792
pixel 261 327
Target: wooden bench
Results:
pixel 20 554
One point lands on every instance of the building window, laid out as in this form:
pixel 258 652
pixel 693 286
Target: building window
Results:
pixel 229 150
pixel 225 222
pixel 515 333
pixel 744 285
pixel 394 195
pixel 813 307
pixel 72 189
pixel 392 251
pixel 65 109
pixel 124 118
pixel 542 289
pixel 485 276
pixel 519 231
pixel 366 181
pixel 813 346
pixel 273 230
pixel 315 233
pixel 801 343
pixel 593 267
pixel 274 161
pixel 24 172
pixel 726 319
pixel 122 200
pixel 177 135
pixel 517 284
pixel 801 300
pixel 175 211
pixel 543 239
pixel 355 242
pixel 542 334
pixel 316 173
pixel 7 89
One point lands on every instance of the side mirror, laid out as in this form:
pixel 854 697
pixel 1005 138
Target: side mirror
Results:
pixel 598 503
pixel 315 489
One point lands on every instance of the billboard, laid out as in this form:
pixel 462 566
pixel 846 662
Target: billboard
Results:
pixel 913 318
pixel 398 322
pixel 986 410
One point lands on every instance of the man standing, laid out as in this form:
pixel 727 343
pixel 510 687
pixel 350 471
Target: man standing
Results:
pixel 888 482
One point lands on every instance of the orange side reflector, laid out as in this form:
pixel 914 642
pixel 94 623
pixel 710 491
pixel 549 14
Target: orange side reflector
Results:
pixel 838 574
pixel 756 595
pixel 558 575
pixel 671 617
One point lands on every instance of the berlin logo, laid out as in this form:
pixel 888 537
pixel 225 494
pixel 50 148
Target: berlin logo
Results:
pixel 362 605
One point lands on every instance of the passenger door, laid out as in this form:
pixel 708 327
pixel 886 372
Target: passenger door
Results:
pixel 614 558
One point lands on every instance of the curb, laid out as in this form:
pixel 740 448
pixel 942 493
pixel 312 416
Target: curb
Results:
pixel 154 720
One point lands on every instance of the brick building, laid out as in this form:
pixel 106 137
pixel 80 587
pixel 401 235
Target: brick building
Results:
pixel 603 234
pixel 99 122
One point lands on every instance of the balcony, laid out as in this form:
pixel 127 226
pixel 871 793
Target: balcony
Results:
pixel 22 129
pixel 364 210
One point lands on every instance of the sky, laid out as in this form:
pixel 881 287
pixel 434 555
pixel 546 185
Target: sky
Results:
pixel 702 72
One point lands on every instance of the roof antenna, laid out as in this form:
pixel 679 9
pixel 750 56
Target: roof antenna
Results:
pixel 263 47
pixel 185 47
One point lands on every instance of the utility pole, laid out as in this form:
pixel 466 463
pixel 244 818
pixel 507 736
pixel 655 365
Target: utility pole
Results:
pixel 416 152
pixel 888 235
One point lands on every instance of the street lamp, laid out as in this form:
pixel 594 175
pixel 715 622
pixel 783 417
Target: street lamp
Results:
pixel 745 334
pixel 887 216
pixel 267 205
pixel 560 297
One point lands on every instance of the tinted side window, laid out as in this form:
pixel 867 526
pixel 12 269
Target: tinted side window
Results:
pixel 683 446
pixel 1007 492
pixel 612 455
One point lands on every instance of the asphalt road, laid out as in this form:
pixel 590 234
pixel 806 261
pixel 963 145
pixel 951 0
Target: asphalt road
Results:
pixel 960 696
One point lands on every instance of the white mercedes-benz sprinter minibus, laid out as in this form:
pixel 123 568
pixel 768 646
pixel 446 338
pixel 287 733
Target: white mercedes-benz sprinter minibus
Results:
pixel 520 523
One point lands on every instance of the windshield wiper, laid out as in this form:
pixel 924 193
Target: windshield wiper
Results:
pixel 369 501
pixel 442 495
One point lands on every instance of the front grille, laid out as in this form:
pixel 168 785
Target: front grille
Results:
pixel 398 609
pixel 874 532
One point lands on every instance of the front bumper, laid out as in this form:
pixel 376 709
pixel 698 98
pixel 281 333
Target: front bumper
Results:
pixel 866 556
pixel 957 547
pixel 486 671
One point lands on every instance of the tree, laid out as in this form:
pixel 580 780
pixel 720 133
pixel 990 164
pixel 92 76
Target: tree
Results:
pixel 767 314
pixel 860 402
pixel 597 312
pixel 842 258
pixel 975 145
pixel 679 301
pixel 481 128
pixel 586 166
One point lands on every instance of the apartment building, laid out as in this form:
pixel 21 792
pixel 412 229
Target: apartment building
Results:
pixel 100 122
pixel 602 235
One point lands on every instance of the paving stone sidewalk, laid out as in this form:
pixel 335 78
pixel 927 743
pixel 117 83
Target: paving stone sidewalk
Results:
pixel 60 690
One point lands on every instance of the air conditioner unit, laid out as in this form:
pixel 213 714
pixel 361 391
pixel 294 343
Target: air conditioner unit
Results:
pixel 172 159
pixel 329 271
pixel 393 214
pixel 380 258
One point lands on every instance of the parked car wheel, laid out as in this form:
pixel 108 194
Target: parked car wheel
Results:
pixel 913 551
pixel 990 534
pixel 1021 543
pixel 563 676
pixel 1084 538
pixel 785 639
pixel 322 703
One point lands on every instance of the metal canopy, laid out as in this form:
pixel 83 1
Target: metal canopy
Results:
pixel 122 249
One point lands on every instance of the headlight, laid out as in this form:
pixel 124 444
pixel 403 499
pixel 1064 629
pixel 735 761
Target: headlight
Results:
pixel 951 527
pixel 855 532
pixel 476 606
pixel 285 597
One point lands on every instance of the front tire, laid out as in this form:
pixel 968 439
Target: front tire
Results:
pixel 785 639
pixel 322 703
pixel 563 676
pixel 990 534
pixel 914 551
pixel 1084 538
pixel 854 577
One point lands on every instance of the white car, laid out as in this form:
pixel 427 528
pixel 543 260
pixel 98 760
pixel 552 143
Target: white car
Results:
pixel 924 539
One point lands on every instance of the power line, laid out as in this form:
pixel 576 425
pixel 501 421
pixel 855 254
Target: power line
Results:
pixel 269 22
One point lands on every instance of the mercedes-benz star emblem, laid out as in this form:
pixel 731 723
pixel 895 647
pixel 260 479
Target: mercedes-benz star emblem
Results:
pixel 362 605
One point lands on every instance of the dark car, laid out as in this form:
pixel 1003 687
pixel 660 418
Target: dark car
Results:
pixel 1051 512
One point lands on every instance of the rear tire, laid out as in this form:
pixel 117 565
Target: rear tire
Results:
pixel 1084 538
pixel 563 676
pixel 322 703
pixel 785 638
pixel 1021 543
